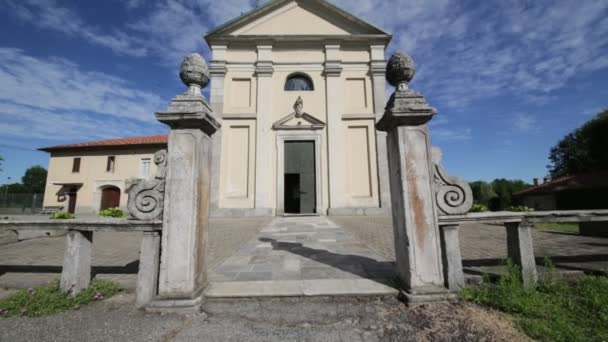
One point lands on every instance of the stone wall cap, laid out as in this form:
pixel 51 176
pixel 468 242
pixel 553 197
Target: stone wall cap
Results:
pixel 194 120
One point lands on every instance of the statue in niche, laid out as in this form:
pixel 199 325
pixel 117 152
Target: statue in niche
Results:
pixel 299 107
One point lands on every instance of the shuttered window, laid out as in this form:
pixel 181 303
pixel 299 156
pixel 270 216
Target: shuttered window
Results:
pixel 76 165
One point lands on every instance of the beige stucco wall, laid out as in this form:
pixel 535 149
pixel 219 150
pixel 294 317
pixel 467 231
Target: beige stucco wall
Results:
pixel 355 134
pixel 93 175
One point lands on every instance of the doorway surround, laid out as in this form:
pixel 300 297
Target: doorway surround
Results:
pixel 283 135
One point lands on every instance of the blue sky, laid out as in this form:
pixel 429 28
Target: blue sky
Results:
pixel 509 77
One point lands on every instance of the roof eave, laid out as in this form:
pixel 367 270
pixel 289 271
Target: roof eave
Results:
pixel 97 148
pixel 218 34
pixel 381 38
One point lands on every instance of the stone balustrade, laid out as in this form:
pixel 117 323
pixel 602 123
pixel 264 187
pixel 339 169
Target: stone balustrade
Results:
pixel 519 238
pixel 76 271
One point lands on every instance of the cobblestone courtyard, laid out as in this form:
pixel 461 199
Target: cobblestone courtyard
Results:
pixel 35 262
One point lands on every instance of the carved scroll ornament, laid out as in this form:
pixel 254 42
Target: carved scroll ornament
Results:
pixel 146 197
pixel 453 195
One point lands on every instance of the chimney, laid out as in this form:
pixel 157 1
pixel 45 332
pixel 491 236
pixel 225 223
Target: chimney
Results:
pixel 535 181
pixel 545 180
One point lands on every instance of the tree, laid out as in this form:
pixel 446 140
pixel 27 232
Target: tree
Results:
pixel 583 150
pixel 34 179
pixel 482 192
pixel 1 160
pixel 497 195
pixel 505 188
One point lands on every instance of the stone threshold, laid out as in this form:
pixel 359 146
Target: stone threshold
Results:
pixel 299 288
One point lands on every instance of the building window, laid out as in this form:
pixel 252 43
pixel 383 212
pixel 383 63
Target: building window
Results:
pixel 110 164
pixel 144 167
pixel 299 82
pixel 76 165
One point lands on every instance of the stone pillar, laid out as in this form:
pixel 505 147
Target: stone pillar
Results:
pixel 187 188
pixel 264 172
pixel 378 72
pixel 452 258
pixel 218 74
pixel 336 151
pixel 147 276
pixel 76 272
pixel 415 221
pixel 521 251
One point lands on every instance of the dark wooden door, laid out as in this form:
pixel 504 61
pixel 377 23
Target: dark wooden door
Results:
pixel 72 201
pixel 299 178
pixel 110 198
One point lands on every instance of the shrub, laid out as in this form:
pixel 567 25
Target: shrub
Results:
pixel 62 215
pixel 520 208
pixel 479 208
pixel 112 212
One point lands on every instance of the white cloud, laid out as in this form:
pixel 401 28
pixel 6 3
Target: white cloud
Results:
pixel 466 51
pixel 48 14
pixel 524 122
pixel 491 48
pixel 54 99
pixel 58 84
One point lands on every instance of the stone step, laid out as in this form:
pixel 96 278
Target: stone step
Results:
pixel 298 288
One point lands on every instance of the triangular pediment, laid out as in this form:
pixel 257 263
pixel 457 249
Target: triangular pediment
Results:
pixel 296 18
pixel 294 122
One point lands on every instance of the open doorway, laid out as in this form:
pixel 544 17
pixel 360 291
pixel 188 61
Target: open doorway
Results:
pixel 299 178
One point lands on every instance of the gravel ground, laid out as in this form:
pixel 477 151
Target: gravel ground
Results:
pixel 287 319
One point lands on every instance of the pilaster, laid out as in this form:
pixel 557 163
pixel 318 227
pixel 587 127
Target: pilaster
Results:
pixel 378 72
pixel 217 70
pixel 264 173
pixel 335 138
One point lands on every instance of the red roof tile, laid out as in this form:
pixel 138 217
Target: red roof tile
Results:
pixel 582 181
pixel 134 141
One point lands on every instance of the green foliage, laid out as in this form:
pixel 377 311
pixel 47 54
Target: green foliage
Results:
pixel 49 300
pixel 15 188
pixel 562 227
pixel 112 212
pixel 32 182
pixel 479 208
pixel 497 195
pixel 62 215
pixel 583 150
pixel 558 309
pixel 522 208
pixel 34 179
pixel 483 192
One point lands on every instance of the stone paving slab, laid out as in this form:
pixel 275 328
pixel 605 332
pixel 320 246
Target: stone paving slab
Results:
pixel 115 255
pixel 303 256
pixel 484 246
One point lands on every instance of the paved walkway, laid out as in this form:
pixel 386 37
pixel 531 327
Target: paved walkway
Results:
pixel 362 249
pixel 484 246
pixel 115 255
pixel 303 256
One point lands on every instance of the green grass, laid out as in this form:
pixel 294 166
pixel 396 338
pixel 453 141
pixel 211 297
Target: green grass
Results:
pixel 49 300
pixel 61 215
pixel 558 309
pixel 562 227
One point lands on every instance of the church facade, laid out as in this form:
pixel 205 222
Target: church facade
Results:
pixel 298 87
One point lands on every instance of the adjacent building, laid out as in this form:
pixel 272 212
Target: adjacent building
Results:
pixel 89 177
pixel 576 192
pixel 298 87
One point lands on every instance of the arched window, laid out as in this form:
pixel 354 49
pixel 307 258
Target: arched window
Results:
pixel 299 82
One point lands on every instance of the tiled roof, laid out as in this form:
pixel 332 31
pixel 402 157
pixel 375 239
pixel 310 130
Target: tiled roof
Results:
pixel 134 141
pixel 582 181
